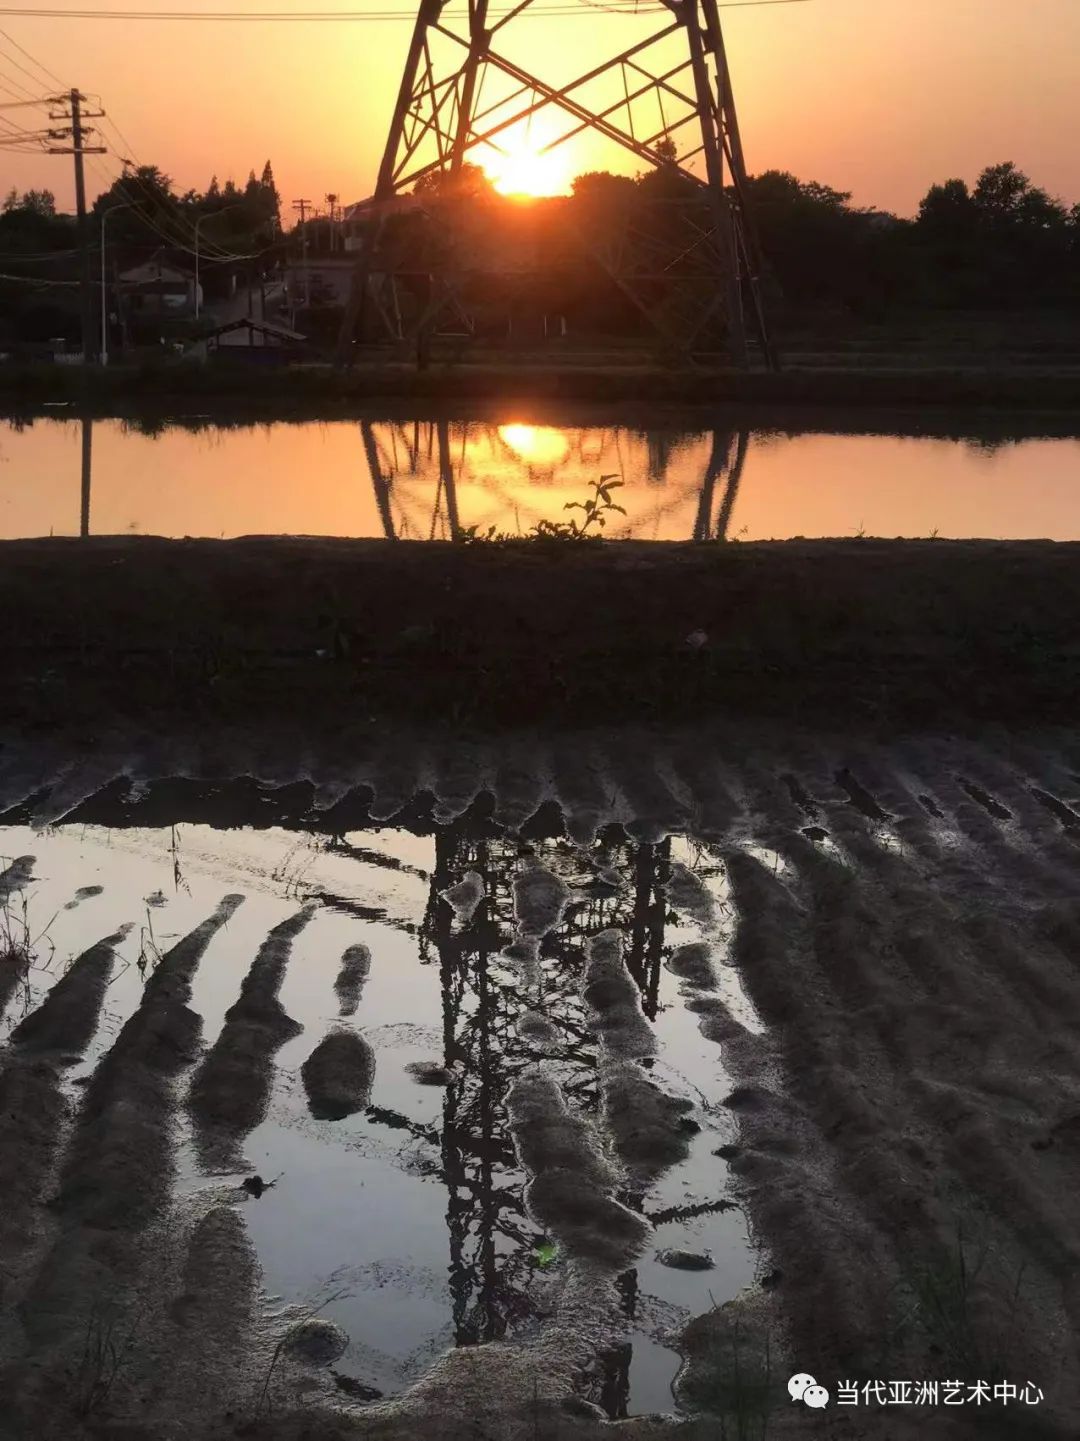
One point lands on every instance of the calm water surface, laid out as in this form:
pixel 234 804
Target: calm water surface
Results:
pixel 428 480
pixel 406 1221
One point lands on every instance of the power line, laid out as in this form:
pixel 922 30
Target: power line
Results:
pixel 177 240
pixel 221 257
pixel 18 66
pixel 182 223
pixel 49 74
pixel 335 16
pixel 21 91
pixel 20 88
pixel 32 280
pixel 36 257
pixel 179 219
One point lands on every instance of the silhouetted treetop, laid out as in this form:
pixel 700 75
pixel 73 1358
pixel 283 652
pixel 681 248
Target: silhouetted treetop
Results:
pixel 470 182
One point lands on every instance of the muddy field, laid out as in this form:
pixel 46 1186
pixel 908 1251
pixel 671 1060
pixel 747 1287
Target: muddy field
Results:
pixel 603 1083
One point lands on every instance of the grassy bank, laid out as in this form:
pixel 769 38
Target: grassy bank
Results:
pixel 332 633
pixel 323 390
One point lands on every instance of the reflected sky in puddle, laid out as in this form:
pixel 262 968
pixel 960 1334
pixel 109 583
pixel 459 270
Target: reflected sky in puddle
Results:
pixel 409 1216
pixel 429 480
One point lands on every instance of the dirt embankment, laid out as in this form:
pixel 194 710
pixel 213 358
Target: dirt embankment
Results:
pixel 336 635
pixel 1041 383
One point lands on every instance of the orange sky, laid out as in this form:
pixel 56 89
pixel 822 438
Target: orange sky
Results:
pixel 880 97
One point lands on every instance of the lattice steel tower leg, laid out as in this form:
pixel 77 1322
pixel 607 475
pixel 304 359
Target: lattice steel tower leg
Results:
pixel 463 94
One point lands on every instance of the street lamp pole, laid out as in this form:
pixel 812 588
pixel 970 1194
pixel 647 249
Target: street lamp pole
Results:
pixel 198 293
pixel 127 205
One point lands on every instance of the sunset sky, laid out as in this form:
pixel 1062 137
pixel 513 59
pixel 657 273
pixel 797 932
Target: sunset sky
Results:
pixel 880 97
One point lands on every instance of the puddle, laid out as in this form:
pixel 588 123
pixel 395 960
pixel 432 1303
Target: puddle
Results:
pixel 406 1221
pixel 424 480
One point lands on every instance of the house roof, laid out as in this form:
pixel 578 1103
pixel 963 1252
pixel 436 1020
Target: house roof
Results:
pixel 264 327
pixel 154 270
pixel 392 205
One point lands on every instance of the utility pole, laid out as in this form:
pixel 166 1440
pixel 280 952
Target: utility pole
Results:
pixel 78 133
pixel 303 206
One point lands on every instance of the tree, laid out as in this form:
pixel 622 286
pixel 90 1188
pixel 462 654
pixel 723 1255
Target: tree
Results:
pixel 947 209
pixel 601 188
pixel 1005 196
pixel 33 202
pixel 41 202
pixel 470 183
pixel 1000 190
pixel 271 198
pixel 666 150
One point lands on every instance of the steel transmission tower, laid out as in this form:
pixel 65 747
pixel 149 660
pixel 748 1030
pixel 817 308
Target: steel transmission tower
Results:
pixel 686 257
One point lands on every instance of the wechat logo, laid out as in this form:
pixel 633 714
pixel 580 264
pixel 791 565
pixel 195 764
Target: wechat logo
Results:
pixel 803 1387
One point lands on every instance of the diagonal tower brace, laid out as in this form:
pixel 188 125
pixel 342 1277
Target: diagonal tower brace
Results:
pixel 702 255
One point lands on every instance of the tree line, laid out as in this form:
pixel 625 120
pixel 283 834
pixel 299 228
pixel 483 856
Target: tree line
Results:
pixel 998 244
pixel 237 230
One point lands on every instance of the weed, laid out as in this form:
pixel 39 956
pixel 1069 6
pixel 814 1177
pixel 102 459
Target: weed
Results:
pixel 21 948
pixel 546 1252
pixel 736 1386
pixel 104 1353
pixel 948 1300
pixel 276 1357
pixel 597 509
pixel 174 851
pixel 149 952
pixel 16 942
pixel 951 1302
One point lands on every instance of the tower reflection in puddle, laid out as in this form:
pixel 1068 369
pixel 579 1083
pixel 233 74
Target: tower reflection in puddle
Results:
pixel 439 480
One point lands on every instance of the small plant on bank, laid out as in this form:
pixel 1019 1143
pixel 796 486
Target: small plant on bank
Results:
pixel 596 509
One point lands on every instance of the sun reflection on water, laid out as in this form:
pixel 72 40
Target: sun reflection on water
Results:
pixel 540 445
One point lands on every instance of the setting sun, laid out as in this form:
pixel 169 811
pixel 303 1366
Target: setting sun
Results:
pixel 525 168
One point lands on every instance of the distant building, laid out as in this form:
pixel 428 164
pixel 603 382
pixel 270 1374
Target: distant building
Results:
pixel 327 281
pixel 262 340
pixel 158 289
pixel 355 217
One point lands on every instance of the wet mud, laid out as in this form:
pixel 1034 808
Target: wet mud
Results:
pixel 338 1075
pixel 646 1042
pixel 355 965
pixel 230 1089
